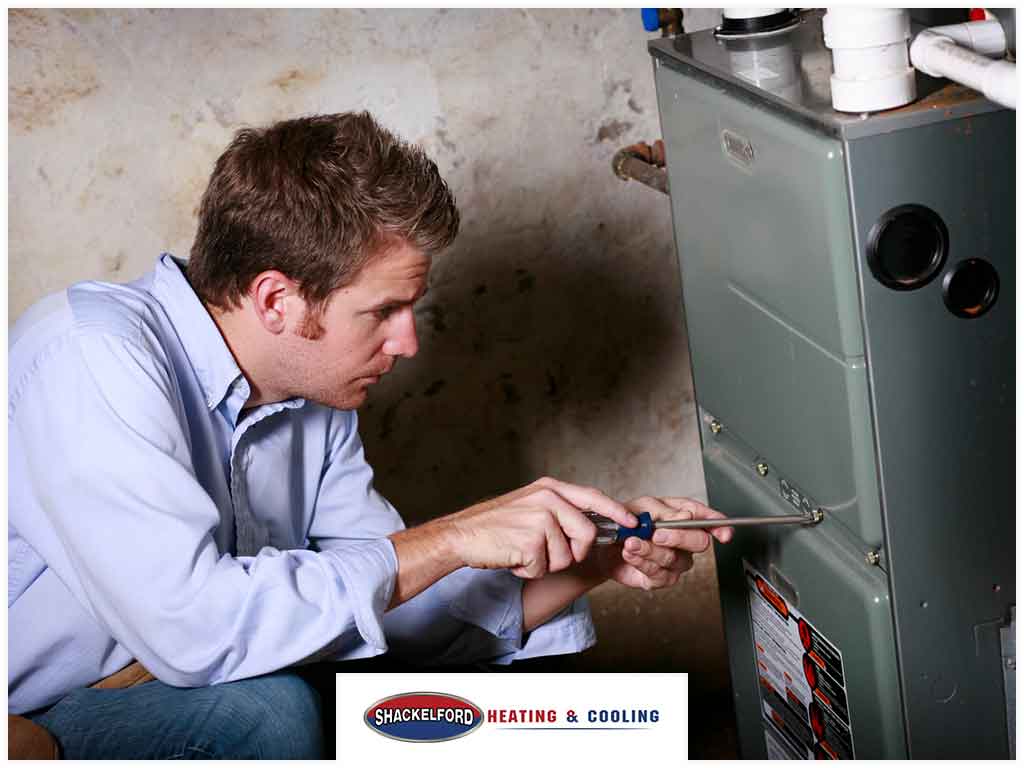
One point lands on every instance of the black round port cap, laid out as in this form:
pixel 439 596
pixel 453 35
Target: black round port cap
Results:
pixel 970 288
pixel 907 247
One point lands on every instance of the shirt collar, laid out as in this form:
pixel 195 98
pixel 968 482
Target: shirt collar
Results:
pixel 209 355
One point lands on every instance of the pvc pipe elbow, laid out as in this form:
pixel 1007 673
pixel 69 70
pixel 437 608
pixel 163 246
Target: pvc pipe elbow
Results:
pixel 923 51
pixel 985 37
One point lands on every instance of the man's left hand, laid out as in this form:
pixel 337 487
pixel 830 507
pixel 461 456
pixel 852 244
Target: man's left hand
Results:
pixel 661 561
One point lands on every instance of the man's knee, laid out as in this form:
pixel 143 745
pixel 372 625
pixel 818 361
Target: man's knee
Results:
pixel 276 716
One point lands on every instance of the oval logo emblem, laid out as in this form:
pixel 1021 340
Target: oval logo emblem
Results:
pixel 423 716
pixel 738 149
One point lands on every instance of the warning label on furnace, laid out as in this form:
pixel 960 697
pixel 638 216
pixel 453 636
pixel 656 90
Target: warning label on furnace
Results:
pixel 801 677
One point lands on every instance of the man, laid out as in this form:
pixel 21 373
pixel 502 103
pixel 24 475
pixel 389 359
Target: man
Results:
pixel 188 487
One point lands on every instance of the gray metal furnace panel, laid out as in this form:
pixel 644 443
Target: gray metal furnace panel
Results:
pixel 824 575
pixel 943 391
pixel 762 228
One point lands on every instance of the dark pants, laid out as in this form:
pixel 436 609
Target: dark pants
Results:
pixel 276 716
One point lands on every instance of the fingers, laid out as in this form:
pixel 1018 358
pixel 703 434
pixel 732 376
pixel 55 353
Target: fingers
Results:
pixel 567 522
pixel 662 557
pixel 654 573
pixel 559 552
pixel 684 562
pixel 583 497
pixel 692 540
pixel 661 561
pixel 681 508
pixel 535 561
pixel 658 567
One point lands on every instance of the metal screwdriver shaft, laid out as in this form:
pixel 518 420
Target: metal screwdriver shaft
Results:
pixel 733 521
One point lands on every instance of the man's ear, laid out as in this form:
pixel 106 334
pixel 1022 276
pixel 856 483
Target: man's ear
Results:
pixel 273 295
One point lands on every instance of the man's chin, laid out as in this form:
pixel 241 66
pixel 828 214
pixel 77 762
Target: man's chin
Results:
pixel 349 401
pixel 354 400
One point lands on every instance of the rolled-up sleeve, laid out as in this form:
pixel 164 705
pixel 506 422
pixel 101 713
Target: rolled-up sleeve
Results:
pixel 367 569
pixel 490 606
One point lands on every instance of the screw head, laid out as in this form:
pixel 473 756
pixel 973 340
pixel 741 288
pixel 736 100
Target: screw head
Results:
pixel 716 426
pixel 872 558
pixel 1011 664
pixel 762 468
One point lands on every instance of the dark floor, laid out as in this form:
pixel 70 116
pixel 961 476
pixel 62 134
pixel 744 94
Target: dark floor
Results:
pixel 712 726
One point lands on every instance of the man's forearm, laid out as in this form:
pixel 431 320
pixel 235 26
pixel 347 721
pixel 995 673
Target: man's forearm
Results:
pixel 545 597
pixel 425 555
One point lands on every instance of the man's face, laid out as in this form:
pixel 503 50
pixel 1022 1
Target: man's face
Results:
pixel 366 326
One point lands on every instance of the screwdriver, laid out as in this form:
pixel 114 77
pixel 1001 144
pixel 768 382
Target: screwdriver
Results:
pixel 610 532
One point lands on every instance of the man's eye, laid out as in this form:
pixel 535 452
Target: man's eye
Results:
pixel 385 312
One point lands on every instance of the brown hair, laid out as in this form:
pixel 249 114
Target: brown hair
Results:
pixel 316 198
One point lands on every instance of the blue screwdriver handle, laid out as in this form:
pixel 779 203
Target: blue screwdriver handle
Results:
pixel 643 531
pixel 610 532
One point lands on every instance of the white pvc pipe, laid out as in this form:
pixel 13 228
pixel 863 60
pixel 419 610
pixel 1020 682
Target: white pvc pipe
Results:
pixel 984 37
pixel 870 66
pixel 749 13
pixel 936 52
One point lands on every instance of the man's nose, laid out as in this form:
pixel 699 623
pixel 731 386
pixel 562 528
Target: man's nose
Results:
pixel 402 341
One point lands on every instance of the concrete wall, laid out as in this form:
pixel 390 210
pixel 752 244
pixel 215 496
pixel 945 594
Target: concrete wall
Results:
pixel 552 339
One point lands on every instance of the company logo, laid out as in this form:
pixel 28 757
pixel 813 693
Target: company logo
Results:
pixel 738 149
pixel 423 716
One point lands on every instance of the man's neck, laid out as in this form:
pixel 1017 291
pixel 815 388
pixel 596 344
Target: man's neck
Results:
pixel 239 340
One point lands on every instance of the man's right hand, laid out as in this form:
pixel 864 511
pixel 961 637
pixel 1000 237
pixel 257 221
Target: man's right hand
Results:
pixel 534 530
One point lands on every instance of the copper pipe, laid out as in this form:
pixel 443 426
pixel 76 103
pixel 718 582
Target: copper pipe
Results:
pixel 644 163
pixel 671 21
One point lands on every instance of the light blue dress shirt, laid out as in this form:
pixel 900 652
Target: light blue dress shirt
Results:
pixel 150 520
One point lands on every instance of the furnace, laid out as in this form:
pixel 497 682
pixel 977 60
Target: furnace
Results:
pixel 849 290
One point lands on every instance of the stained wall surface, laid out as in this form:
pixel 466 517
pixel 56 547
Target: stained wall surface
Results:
pixel 552 340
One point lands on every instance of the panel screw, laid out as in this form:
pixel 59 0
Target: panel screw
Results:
pixel 872 558
pixel 716 426
pixel 762 468
pixel 1011 664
